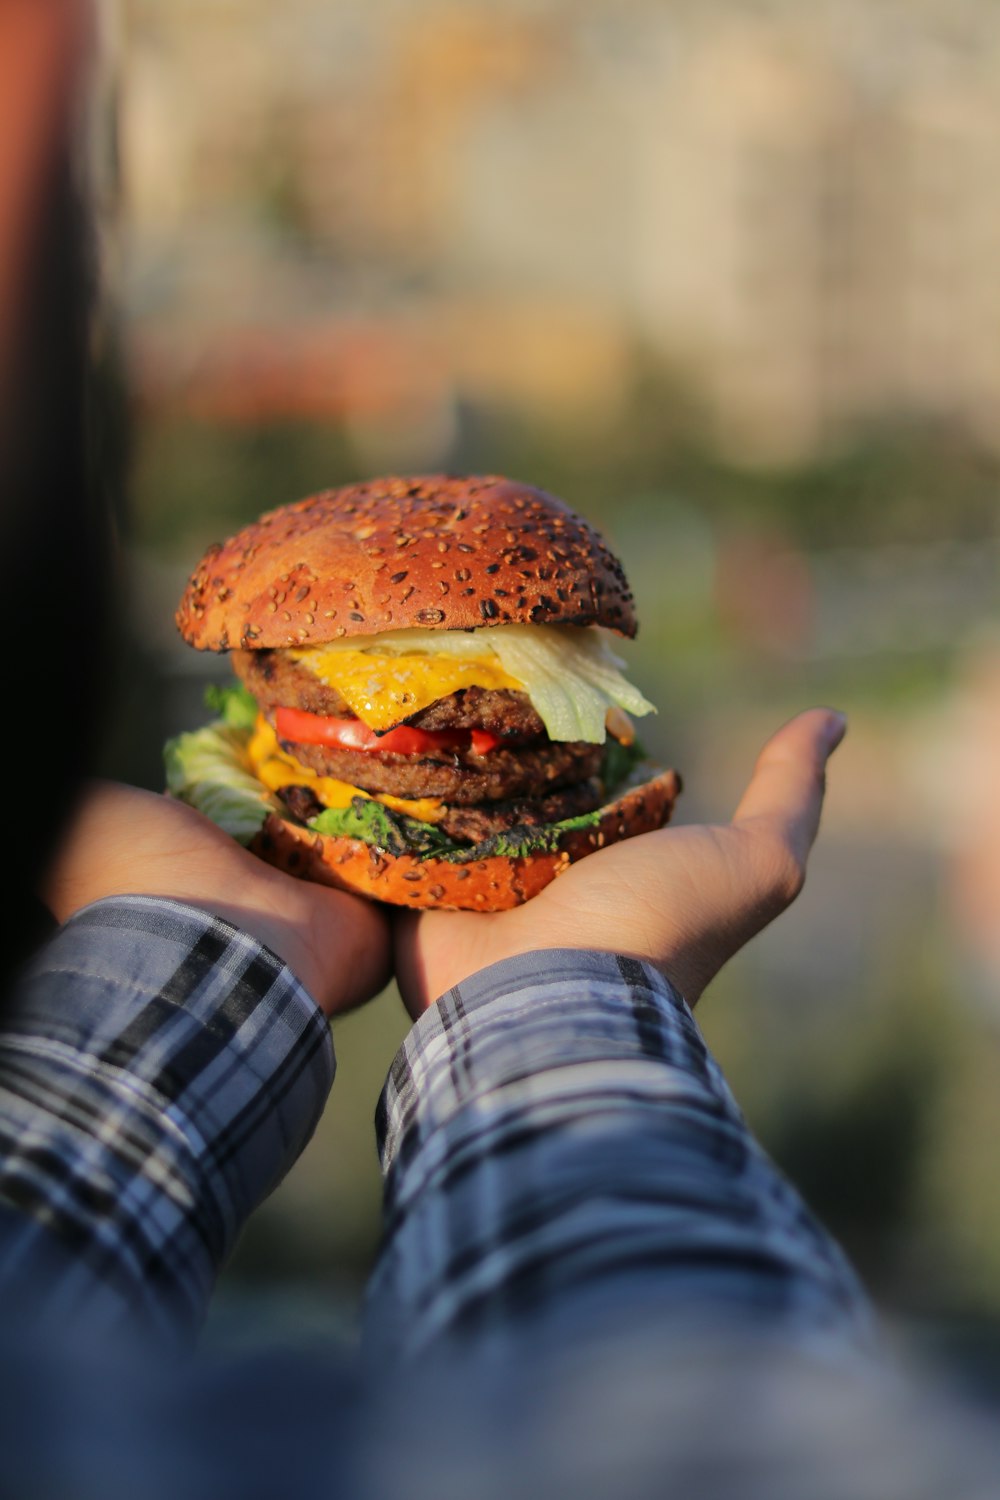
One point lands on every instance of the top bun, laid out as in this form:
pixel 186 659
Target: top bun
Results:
pixel 448 552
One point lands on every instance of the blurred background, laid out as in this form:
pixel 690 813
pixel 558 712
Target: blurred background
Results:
pixel 724 275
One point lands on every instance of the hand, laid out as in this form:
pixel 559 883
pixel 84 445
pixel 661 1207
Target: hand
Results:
pixel 124 841
pixel 684 898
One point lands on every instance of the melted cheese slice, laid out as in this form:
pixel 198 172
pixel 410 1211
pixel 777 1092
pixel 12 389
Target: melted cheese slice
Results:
pixel 381 689
pixel 276 768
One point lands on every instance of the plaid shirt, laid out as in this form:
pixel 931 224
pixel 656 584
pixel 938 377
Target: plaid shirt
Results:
pixel 159 1073
pixel 592 1280
pixel 554 1135
pixel 559 1146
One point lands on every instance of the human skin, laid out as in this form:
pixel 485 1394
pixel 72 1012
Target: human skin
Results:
pixel 684 899
pixel 125 841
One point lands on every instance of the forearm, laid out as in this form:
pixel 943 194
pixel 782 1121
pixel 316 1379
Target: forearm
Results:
pixel 557 1138
pixel 159 1073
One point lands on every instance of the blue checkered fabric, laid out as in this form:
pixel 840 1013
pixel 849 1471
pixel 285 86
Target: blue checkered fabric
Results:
pixel 159 1073
pixel 560 1146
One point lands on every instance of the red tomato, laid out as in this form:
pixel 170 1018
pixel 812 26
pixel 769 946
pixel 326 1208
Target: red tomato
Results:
pixel 483 741
pixel 351 734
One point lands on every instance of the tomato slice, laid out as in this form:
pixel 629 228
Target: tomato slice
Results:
pixel 351 734
pixel 483 741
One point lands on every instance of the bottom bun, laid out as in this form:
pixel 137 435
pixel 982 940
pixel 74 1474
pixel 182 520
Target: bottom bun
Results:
pixel 495 883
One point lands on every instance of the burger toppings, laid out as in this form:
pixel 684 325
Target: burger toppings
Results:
pixel 354 734
pixel 456 775
pixel 275 681
pixel 569 674
pixel 236 771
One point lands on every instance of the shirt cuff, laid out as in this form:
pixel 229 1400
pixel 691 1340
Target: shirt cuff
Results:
pixel 160 1071
pixel 557 1138
pixel 527 1014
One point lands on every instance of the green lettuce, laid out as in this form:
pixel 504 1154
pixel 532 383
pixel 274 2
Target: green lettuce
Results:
pixel 569 672
pixel 234 704
pixel 376 824
pixel 208 768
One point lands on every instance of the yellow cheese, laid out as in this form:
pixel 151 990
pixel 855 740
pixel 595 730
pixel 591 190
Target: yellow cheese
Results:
pixel 276 768
pixel 382 689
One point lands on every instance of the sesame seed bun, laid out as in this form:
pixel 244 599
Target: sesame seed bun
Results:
pixel 435 551
pixel 495 883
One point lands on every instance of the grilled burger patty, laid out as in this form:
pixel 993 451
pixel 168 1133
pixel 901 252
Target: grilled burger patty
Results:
pixel 459 776
pixel 277 681
pixel 477 823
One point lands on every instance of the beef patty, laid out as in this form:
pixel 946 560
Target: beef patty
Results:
pixel 458 776
pixel 277 681
pixel 473 824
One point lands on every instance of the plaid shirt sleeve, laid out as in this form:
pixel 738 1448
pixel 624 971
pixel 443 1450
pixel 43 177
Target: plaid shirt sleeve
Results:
pixel 561 1149
pixel 159 1073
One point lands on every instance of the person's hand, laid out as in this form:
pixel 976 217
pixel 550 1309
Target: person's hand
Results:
pixel 124 841
pixel 684 898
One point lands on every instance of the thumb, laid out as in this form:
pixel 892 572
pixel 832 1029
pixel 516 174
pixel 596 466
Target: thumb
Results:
pixel 785 796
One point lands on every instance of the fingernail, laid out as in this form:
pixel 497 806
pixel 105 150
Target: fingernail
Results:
pixel 836 728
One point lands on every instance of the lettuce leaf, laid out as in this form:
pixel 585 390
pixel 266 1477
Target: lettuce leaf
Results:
pixel 569 672
pixel 619 763
pixel 208 769
pixel 376 824
pixel 234 704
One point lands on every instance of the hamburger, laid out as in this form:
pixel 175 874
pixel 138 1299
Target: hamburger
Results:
pixel 427 709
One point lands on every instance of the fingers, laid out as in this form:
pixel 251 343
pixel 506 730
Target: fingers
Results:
pixel 784 799
pixel 437 949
